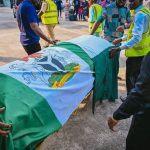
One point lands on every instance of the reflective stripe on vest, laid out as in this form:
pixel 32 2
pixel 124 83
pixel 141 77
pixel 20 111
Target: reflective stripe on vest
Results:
pixel 51 15
pixel 143 47
pixel 97 12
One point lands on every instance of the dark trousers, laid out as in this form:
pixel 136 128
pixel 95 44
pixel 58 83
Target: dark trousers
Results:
pixel 80 16
pixel 133 65
pixel 33 48
pixel 139 134
pixel 76 9
pixel 59 12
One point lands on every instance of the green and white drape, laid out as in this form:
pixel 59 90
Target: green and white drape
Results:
pixel 42 90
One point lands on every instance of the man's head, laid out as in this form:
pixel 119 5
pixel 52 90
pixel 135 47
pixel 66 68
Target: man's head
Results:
pixel 133 4
pixel 121 3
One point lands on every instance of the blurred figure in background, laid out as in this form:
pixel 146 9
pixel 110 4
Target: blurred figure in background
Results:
pixel 90 2
pixel 49 17
pixel 28 24
pixel 94 12
pixel 85 7
pixel 147 4
pixel 104 3
pixel 66 9
pixel 59 7
pixel 80 13
pixel 76 4
pixel 115 15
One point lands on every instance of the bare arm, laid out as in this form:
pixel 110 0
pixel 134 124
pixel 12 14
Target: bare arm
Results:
pixel 38 31
pixel 43 9
pixel 40 13
pixel 95 26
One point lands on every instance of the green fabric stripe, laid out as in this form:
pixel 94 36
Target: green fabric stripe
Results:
pixel 78 51
pixel 31 117
pixel 106 71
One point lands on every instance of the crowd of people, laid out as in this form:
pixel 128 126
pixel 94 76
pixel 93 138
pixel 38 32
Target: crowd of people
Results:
pixel 117 17
pixel 112 17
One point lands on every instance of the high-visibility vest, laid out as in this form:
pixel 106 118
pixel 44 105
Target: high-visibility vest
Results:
pixel 97 12
pixel 132 13
pixel 51 15
pixel 143 47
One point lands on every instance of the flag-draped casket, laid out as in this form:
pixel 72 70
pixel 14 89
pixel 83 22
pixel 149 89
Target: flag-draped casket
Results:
pixel 42 90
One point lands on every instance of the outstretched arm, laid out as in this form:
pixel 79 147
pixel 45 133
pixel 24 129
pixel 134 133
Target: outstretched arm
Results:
pixel 95 26
pixel 43 9
pixel 138 98
pixel 38 31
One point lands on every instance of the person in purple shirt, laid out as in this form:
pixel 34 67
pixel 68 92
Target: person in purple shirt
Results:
pixel 28 24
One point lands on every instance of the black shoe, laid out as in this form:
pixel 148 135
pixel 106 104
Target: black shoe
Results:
pixel 123 98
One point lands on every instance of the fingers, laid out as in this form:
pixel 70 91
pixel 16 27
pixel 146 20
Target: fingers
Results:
pixel 2 109
pixel 53 42
pixel 4 133
pixel 57 41
pixel 112 123
pixel 120 29
pixel 116 41
pixel 112 53
pixel 4 125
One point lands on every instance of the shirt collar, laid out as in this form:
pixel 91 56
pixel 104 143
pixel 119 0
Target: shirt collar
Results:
pixel 138 8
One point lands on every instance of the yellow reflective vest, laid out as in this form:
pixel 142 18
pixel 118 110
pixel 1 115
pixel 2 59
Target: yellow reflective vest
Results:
pixel 51 15
pixel 143 47
pixel 97 12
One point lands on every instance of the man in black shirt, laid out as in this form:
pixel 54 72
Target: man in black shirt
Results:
pixel 137 104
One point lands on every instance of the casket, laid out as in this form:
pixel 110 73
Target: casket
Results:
pixel 41 91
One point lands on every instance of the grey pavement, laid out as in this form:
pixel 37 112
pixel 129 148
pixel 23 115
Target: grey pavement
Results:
pixel 84 131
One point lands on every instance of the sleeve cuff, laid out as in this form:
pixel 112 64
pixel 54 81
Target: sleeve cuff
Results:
pixel 124 37
pixel 123 47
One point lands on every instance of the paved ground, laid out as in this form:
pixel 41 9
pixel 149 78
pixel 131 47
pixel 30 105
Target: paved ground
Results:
pixel 84 131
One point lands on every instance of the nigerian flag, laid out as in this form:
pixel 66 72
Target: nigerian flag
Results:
pixel 41 91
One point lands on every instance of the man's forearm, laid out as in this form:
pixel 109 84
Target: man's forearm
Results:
pixel 39 32
pixel 138 98
pixel 40 13
pixel 95 26
pixel 131 106
pixel 133 41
